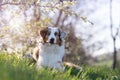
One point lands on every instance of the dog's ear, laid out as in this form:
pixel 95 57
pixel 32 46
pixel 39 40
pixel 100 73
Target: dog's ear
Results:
pixel 62 34
pixel 43 32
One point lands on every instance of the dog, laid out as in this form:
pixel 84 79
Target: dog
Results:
pixel 50 49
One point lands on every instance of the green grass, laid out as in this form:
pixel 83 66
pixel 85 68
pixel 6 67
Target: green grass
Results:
pixel 105 63
pixel 12 68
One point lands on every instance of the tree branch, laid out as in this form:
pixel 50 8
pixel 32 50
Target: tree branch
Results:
pixel 59 17
pixel 13 3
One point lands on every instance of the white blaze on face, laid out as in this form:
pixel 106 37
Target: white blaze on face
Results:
pixel 52 37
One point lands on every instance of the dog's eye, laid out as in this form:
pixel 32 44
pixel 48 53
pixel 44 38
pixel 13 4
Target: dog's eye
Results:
pixel 56 34
pixel 48 33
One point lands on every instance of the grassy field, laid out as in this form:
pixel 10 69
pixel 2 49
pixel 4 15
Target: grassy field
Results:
pixel 12 68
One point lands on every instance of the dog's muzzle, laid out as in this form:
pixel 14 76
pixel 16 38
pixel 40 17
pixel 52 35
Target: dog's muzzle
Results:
pixel 52 40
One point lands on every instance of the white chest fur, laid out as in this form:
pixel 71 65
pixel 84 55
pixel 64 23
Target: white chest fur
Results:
pixel 50 56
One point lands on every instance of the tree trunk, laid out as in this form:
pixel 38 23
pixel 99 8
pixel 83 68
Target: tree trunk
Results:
pixel 114 54
pixel 113 38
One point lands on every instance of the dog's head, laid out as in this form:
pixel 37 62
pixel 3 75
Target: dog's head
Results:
pixel 52 35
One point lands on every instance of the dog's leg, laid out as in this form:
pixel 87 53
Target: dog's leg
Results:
pixel 36 53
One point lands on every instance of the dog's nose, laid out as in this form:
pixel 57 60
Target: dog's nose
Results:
pixel 52 40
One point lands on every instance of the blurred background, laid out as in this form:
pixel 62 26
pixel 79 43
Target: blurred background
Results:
pixel 92 27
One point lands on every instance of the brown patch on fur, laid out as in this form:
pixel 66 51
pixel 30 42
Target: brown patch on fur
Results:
pixel 59 41
pixel 36 53
pixel 44 33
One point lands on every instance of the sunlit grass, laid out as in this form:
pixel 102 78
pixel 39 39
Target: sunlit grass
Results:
pixel 14 68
